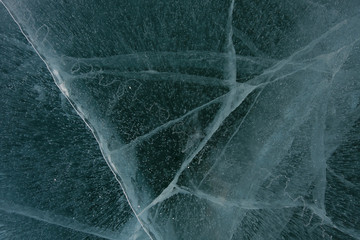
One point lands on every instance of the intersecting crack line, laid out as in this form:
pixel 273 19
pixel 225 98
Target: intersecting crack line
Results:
pixel 232 136
pixel 228 105
pixel 232 101
pixel 304 50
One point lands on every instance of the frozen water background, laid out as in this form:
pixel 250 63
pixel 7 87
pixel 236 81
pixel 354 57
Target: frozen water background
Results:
pixel 219 119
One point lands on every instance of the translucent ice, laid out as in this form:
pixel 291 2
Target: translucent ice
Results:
pixel 219 119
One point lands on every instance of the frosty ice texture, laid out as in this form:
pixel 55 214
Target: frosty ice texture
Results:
pixel 219 119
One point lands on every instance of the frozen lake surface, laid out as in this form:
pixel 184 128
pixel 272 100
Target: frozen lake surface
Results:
pixel 204 119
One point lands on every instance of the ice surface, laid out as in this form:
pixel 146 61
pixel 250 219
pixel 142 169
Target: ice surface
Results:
pixel 219 119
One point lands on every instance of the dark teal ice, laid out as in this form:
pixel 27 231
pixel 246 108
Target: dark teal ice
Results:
pixel 179 119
